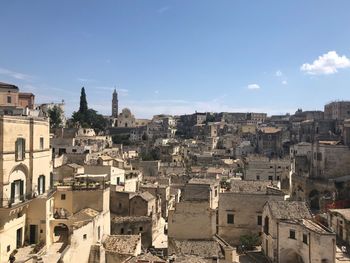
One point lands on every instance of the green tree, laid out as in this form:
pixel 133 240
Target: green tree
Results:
pixel 88 118
pixel 55 115
pixel 250 241
pixel 83 102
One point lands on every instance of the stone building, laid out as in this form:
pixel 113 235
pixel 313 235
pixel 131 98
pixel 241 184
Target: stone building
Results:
pixel 339 222
pixel 194 217
pixel 337 110
pixel 161 191
pixel 266 169
pixel 126 119
pixel 291 235
pixel 319 172
pixel 240 210
pixel 270 141
pixel 136 213
pixel 121 248
pixel 134 225
pixel 25 182
pixel 256 117
pixel 13 102
pixel 80 219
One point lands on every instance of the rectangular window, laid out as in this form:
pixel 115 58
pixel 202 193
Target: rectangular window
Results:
pixel 9 99
pixel 84 236
pixel 20 149
pixel 17 191
pixel 259 220
pixel 41 143
pixel 141 228
pixel 305 238
pixel 230 219
pixel 270 178
pixel 292 234
pixel 258 177
pixel 63 196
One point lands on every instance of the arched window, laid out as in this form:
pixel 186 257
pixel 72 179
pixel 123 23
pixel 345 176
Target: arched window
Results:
pixel 41 184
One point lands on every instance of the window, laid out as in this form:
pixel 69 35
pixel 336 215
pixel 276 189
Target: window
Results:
pixel 41 184
pixel 122 231
pixel 9 99
pixel 278 178
pixel 74 150
pixel 141 228
pixel 20 149
pixel 266 225
pixel 120 205
pixel 258 177
pixel 63 196
pixel 84 236
pixel 292 234
pixel 17 190
pixel 8 248
pixel 259 220
pixel 98 232
pixel 216 192
pixel 270 178
pixel 41 143
pixel 230 219
pixel 305 238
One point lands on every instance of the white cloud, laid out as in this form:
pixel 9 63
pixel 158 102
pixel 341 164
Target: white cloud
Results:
pixel 284 82
pixel 278 73
pixel 326 64
pixel 163 9
pixel 14 74
pixel 85 80
pixel 253 86
pixel 122 92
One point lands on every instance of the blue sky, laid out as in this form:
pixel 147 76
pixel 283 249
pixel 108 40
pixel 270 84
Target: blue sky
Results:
pixel 179 56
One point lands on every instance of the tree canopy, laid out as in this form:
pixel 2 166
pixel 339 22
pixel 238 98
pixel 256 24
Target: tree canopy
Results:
pixel 88 118
pixel 55 115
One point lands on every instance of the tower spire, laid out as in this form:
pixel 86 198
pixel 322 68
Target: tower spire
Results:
pixel 115 103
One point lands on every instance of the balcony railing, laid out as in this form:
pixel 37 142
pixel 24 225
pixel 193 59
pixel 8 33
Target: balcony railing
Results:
pixel 61 213
pixel 9 202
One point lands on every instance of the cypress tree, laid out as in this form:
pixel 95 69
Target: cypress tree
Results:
pixel 83 103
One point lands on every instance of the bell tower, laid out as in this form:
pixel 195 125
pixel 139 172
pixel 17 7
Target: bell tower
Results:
pixel 115 104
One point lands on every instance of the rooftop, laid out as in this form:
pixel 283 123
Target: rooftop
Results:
pixel 270 130
pixel 122 244
pixel 8 86
pixel 289 210
pixel 240 186
pixel 125 219
pixel 344 212
pixel 83 217
pixel 202 248
pixel 202 181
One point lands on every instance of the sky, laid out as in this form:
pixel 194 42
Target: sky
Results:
pixel 179 56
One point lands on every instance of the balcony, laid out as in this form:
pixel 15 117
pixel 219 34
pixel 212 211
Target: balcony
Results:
pixel 14 202
pixel 61 213
pixel 23 199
